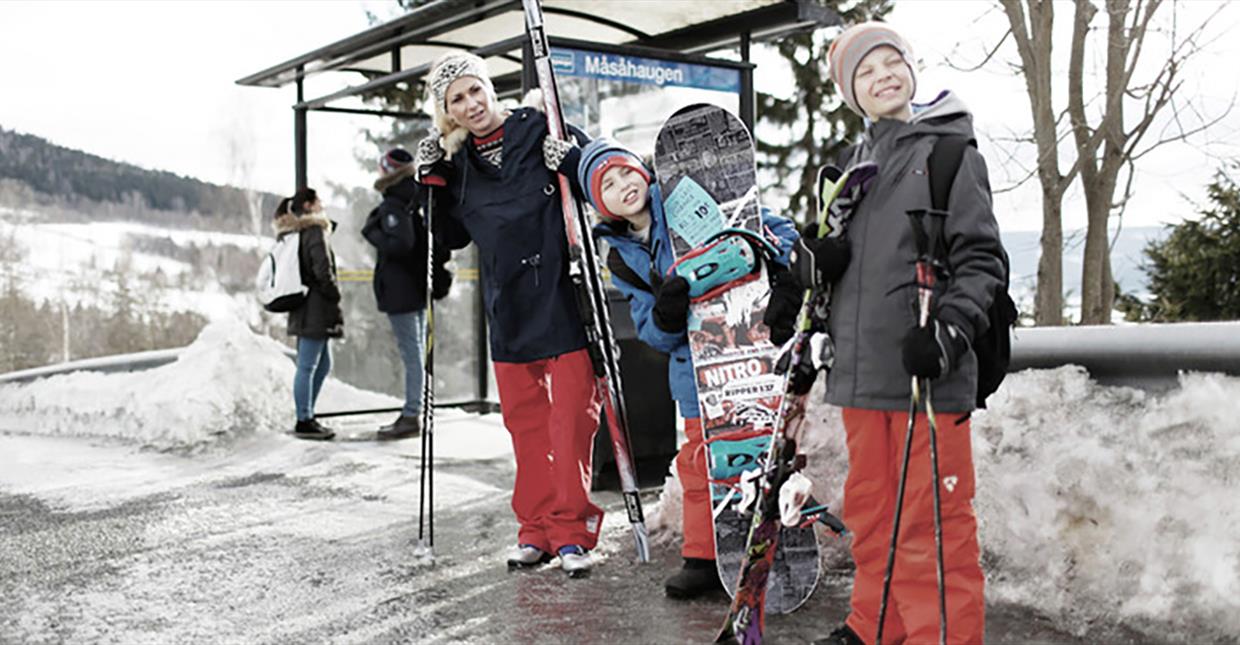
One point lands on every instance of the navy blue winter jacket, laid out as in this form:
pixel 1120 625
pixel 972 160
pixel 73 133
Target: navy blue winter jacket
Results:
pixel 513 214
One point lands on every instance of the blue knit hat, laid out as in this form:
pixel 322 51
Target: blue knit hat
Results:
pixel 597 158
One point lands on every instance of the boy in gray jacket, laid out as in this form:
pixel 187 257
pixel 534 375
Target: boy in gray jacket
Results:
pixel 879 345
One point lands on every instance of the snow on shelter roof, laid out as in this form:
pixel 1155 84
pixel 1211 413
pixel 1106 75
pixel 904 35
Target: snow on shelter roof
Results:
pixel 403 49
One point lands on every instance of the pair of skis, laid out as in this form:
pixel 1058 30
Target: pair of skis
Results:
pixel 587 281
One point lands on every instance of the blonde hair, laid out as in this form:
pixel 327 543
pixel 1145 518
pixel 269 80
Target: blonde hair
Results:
pixel 444 70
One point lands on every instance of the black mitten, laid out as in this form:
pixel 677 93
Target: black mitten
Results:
pixel 933 350
pixel 671 305
pixel 819 261
pixel 441 282
pixel 784 305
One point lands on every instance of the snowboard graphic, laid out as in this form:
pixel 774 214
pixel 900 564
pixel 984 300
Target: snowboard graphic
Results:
pixel 704 161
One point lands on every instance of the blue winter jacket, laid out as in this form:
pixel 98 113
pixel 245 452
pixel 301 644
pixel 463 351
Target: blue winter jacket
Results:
pixel 513 214
pixel 656 255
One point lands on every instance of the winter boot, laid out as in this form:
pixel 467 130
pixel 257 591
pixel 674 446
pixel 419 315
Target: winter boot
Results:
pixel 696 578
pixel 526 556
pixel 403 428
pixel 312 431
pixel 575 561
pixel 842 636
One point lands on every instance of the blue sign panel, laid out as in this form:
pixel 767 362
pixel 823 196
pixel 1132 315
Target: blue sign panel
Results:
pixel 649 71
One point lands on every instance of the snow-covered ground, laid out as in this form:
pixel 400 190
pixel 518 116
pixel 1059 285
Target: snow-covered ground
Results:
pixel 1097 504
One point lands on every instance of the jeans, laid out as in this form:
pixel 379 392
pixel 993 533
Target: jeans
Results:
pixel 408 329
pixel 314 361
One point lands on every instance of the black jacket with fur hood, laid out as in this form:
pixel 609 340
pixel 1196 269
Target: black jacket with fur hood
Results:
pixel 320 316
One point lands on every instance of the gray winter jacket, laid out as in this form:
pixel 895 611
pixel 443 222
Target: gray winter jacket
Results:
pixel 875 302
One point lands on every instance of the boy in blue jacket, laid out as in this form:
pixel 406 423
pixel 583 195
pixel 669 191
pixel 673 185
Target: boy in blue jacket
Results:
pixel 621 189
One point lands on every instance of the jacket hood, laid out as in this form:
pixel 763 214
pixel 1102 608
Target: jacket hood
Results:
pixel 289 223
pixel 387 181
pixel 945 115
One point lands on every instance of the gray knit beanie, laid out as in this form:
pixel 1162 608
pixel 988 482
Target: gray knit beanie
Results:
pixel 852 45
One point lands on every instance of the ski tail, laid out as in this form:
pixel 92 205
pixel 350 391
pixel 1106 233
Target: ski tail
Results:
pixel 591 297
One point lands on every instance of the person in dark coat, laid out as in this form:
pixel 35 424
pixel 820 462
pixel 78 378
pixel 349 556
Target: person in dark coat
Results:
pixel 319 318
pixel 498 168
pixel 398 233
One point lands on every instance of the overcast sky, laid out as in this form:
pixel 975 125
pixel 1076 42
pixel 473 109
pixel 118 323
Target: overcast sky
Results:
pixel 152 83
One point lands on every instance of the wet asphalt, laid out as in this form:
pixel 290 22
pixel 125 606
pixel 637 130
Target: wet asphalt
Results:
pixel 281 557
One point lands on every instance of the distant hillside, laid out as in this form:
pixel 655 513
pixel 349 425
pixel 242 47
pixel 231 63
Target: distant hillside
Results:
pixel 72 174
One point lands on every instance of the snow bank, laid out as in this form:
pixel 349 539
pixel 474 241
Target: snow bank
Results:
pixel 1097 504
pixel 230 382
pixel 1108 504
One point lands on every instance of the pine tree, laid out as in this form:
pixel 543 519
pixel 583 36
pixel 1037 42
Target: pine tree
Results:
pixel 1195 271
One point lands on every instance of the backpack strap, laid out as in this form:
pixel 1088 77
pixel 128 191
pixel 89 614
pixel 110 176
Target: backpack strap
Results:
pixel 625 272
pixel 945 160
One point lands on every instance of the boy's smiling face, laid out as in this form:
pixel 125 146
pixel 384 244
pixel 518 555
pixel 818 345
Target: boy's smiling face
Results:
pixel 623 191
pixel 883 84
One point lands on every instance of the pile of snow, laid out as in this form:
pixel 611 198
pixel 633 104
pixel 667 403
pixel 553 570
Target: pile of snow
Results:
pixel 230 382
pixel 1096 504
pixel 1109 504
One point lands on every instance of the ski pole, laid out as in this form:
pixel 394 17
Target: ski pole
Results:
pixel 427 458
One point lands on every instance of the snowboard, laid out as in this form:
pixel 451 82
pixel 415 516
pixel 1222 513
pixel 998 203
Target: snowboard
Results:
pixel 705 166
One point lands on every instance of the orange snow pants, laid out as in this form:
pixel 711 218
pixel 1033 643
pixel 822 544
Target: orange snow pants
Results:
pixel 551 410
pixel 692 467
pixel 875 450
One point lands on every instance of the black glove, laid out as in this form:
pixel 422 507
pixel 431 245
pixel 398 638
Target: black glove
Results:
pixel 784 305
pixel 671 305
pixel 441 282
pixel 933 350
pixel 818 261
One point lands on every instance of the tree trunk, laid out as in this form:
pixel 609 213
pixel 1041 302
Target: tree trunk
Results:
pixel 1096 268
pixel 1048 302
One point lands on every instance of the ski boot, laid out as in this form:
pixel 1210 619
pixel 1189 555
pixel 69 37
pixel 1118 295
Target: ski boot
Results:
pixel 403 428
pixel 696 578
pixel 526 556
pixel 575 561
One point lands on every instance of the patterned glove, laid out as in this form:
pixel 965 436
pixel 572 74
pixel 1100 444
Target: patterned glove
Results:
pixel 429 160
pixel 554 152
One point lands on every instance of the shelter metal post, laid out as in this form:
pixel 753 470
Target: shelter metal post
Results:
pixel 748 100
pixel 299 139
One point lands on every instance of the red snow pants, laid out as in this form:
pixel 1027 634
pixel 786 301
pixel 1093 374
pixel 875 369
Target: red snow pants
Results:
pixel 551 409
pixel 692 468
pixel 875 449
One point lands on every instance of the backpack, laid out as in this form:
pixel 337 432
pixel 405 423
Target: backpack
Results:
pixel 993 347
pixel 278 283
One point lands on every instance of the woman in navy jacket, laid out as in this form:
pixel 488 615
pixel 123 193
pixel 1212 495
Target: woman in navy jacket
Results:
pixel 501 192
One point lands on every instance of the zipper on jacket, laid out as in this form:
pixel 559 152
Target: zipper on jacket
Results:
pixel 533 261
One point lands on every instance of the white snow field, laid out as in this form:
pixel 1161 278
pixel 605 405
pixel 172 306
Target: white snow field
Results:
pixel 1097 504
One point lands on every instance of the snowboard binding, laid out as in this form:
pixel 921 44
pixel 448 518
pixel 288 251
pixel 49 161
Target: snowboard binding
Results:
pixel 729 258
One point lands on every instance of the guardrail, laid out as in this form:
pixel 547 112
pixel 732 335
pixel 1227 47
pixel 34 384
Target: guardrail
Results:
pixel 1149 356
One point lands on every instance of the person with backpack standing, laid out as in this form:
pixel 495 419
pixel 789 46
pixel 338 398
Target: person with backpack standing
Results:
pixel 398 233
pixel 879 344
pixel 319 318
pixel 497 169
